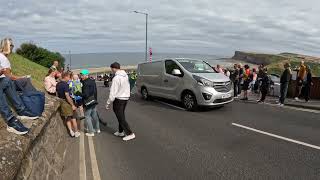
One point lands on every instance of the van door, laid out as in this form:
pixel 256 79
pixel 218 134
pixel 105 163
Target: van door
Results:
pixel 170 82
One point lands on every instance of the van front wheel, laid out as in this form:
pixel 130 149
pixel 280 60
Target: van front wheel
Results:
pixel 189 101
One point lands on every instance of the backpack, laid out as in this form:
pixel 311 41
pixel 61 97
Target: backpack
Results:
pixel 34 101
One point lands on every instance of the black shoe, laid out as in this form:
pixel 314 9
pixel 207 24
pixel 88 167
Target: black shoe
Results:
pixel 27 115
pixel 15 126
pixel 244 99
pixel 102 122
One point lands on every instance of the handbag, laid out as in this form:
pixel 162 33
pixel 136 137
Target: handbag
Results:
pixel 90 101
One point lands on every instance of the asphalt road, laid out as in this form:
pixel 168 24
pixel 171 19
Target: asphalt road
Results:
pixel 175 144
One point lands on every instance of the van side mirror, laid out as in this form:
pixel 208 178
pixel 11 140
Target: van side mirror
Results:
pixel 176 72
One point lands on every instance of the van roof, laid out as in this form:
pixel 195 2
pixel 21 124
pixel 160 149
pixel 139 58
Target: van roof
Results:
pixel 171 59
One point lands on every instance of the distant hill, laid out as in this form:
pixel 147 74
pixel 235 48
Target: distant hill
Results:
pixel 22 66
pixel 275 62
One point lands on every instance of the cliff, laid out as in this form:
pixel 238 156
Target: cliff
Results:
pixel 275 62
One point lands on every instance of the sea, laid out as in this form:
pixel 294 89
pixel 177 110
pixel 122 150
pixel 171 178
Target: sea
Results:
pixel 95 60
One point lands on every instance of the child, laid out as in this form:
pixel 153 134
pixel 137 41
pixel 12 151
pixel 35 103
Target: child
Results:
pixel 76 90
pixel 246 82
pixel 67 106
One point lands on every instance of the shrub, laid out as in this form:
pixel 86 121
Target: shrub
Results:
pixel 39 55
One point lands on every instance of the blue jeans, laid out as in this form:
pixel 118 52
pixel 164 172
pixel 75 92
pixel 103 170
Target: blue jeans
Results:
pixel 7 90
pixel 91 117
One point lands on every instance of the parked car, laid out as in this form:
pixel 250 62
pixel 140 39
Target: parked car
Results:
pixel 192 82
pixel 275 85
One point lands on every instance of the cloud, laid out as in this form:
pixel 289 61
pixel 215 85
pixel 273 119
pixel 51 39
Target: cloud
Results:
pixel 202 26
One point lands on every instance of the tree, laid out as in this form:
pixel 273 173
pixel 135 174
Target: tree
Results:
pixel 40 55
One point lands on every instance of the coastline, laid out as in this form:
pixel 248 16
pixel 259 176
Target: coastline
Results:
pixel 104 69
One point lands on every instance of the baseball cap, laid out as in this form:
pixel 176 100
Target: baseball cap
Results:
pixel 85 72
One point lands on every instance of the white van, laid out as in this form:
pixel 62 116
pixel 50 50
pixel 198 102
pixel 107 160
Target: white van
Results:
pixel 192 82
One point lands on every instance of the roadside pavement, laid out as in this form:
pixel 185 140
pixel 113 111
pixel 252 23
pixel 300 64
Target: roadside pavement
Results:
pixel 312 104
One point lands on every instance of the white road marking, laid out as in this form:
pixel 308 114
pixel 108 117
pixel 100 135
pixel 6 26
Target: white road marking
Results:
pixel 171 105
pixel 277 136
pixel 82 158
pixel 294 108
pixel 94 164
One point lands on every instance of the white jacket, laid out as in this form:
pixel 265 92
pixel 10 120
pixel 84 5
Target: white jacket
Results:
pixel 120 88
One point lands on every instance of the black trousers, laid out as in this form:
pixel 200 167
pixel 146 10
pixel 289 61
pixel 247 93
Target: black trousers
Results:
pixel 235 88
pixel 239 86
pixel 264 93
pixel 119 107
pixel 306 92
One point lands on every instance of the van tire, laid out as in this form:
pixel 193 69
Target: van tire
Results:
pixel 145 94
pixel 189 101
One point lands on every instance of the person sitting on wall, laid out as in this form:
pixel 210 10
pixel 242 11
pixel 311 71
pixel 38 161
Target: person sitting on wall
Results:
pixel 55 68
pixel 22 83
pixel 7 90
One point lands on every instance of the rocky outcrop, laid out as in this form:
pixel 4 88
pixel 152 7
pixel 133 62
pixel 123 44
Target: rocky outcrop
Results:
pixel 257 58
pixel 40 153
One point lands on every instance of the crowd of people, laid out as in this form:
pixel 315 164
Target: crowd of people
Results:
pixel 258 81
pixel 79 99
pixel 78 94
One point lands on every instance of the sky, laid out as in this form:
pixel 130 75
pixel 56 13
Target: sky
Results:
pixel 216 27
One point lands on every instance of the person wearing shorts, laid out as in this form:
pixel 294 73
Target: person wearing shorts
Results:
pixel 67 106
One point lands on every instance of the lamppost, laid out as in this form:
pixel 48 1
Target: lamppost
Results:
pixel 146 14
pixel 70 60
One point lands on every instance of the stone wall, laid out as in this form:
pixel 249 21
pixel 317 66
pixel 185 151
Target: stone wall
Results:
pixel 39 155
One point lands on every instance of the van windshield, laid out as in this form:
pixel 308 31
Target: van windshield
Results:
pixel 195 66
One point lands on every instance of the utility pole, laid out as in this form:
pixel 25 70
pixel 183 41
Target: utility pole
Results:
pixel 69 60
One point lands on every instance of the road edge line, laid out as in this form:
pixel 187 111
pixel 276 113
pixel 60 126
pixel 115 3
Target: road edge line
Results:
pixel 94 163
pixel 82 158
pixel 277 136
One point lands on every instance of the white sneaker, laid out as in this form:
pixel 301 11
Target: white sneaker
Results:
pixel 27 118
pixel 118 134
pixel 72 134
pixel 130 137
pixel 77 134
pixel 98 131
pixel 296 98
pixel 90 134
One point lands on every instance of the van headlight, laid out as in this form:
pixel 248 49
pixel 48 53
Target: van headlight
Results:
pixel 202 81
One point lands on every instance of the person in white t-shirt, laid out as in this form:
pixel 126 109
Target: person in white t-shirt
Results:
pixel 22 83
pixel 7 90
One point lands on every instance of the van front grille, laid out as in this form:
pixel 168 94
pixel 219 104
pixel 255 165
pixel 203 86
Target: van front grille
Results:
pixel 222 87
